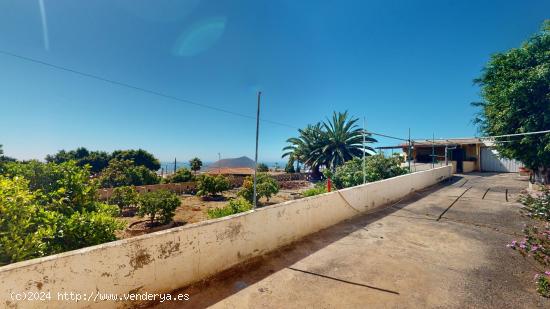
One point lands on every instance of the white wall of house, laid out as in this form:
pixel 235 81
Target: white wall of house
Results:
pixel 492 162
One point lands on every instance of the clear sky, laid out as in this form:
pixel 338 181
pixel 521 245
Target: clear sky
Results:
pixel 400 64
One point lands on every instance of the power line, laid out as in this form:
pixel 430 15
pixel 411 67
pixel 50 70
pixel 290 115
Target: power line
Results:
pixel 388 136
pixel 175 98
pixel 489 137
pixel 141 89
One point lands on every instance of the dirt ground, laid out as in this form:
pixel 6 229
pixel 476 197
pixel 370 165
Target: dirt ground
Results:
pixel 194 209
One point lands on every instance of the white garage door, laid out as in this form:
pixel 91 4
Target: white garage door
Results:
pixel 491 162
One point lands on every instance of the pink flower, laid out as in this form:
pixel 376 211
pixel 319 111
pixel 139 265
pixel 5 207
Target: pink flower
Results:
pixel 547 273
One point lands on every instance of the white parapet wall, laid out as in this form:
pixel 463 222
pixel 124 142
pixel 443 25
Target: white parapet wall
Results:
pixel 168 260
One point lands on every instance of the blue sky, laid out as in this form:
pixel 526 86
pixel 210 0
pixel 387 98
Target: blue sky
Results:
pixel 400 64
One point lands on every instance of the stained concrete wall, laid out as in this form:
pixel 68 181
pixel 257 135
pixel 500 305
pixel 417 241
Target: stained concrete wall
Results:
pixel 171 259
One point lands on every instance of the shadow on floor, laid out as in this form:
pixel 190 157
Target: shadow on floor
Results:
pixel 224 284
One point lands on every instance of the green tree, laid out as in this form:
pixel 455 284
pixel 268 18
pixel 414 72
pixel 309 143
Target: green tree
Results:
pixel 515 88
pixel 377 167
pixel 343 140
pixel 195 164
pixel 4 159
pixel 124 197
pixel 307 148
pixel 97 160
pixel 22 232
pixel 328 144
pixel 158 205
pixel 63 200
pixel 126 173
pixel 266 186
pixel 208 185
pixel 139 157
pixel 263 168
pixel 181 175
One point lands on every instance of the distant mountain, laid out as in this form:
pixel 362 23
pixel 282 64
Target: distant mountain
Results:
pixel 233 162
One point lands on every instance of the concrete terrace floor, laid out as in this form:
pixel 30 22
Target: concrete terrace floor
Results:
pixel 444 247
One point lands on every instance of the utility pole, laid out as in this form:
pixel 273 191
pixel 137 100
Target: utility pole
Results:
pixel 364 164
pixel 433 150
pixel 256 155
pixel 409 154
pixel 174 165
pixel 219 163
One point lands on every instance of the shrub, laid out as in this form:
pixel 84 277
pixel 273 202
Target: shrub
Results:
pixel 85 228
pixel 181 175
pixel 159 205
pixel 125 173
pixel 542 282
pixel 536 243
pixel 124 197
pixel 377 167
pixel 537 207
pixel 208 185
pixel 319 188
pixel 266 186
pixel 55 210
pixel 22 234
pixel 536 240
pixel 235 206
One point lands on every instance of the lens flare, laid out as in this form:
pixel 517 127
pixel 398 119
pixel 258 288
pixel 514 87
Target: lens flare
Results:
pixel 44 25
pixel 200 37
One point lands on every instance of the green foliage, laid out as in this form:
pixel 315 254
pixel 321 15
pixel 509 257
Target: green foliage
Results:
pixel 266 186
pixel 329 144
pixel 515 87
pixel 125 173
pixel 181 175
pixel 139 157
pixel 377 168
pixel 89 228
pixel 208 185
pixel 22 234
pixel 98 160
pixel 4 158
pixel 319 188
pixel 158 205
pixel 195 164
pixel 536 239
pixel 124 197
pixel 235 206
pixel 62 187
pixel 542 282
pixel 263 168
pixel 537 207
pixel 54 210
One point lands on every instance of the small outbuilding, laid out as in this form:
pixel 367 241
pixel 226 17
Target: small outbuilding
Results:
pixel 465 154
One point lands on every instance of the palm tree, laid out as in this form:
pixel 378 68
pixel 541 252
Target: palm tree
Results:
pixel 328 144
pixel 195 164
pixel 343 140
pixel 306 148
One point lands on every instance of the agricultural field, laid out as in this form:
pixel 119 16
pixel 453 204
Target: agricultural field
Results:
pixel 194 209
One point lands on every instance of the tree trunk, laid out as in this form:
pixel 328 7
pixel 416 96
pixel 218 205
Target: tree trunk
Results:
pixel 315 173
pixel 541 175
